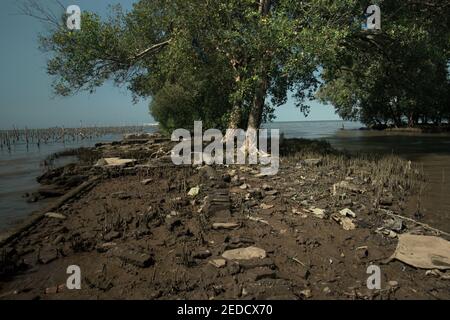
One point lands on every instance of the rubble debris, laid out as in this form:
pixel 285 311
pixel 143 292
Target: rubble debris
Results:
pixel 317 212
pixel 193 192
pixel 347 213
pixel 218 263
pixel 424 252
pixel 136 258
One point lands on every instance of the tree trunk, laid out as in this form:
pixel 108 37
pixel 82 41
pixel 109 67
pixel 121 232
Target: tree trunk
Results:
pixel 256 112
pixel 257 108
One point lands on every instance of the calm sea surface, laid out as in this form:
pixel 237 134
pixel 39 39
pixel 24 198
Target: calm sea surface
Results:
pixel 20 167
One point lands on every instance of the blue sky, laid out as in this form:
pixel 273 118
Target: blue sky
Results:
pixel 26 97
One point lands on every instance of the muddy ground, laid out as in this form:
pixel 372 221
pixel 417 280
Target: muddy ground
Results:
pixel 153 230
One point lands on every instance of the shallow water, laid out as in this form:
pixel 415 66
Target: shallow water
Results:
pixel 431 151
pixel 19 169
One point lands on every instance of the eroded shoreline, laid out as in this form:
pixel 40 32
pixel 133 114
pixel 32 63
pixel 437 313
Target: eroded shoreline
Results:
pixel 145 231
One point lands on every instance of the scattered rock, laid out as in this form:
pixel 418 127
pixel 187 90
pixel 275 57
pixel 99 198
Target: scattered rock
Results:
pixel 318 213
pixel 393 284
pixel 58 239
pixel 347 213
pixel 306 293
pixel 114 162
pixel 201 254
pixel 47 255
pixel 51 290
pixel 226 225
pixel 327 290
pixel 245 253
pixel 394 224
pixel 346 222
pixel 111 236
pixel 55 215
pixel 262 273
pixel 138 259
pixel 218 263
pixel 266 206
pixel 146 181
pixel 194 191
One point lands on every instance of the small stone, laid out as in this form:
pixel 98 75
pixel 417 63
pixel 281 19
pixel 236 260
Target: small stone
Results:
pixel 233 268
pixel 318 213
pixel 393 284
pixel 58 239
pixel 394 224
pixel 347 224
pixel 260 274
pixel 55 215
pixel 306 293
pixel 226 225
pixel 347 213
pixel 201 254
pixel 245 253
pixel 48 255
pixel 326 290
pixel 218 263
pixel 111 236
pixel 51 290
pixel 266 206
pixel 272 192
pixel 244 186
pixel 146 181
pixel 194 191
pixel 138 259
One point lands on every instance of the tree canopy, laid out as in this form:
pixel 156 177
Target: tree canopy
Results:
pixel 231 63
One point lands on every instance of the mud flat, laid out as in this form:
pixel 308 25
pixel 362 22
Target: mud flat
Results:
pixel 146 229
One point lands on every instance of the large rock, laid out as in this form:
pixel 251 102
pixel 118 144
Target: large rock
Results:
pixel 245 253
